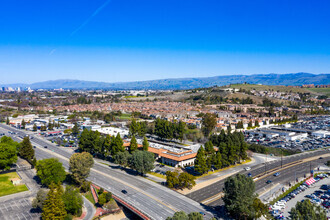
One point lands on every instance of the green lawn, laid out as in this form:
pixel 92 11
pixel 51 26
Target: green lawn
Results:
pixel 124 116
pixel 324 91
pixel 7 187
pixel 89 196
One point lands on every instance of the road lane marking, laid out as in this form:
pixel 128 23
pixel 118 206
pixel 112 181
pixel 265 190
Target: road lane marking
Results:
pixel 114 178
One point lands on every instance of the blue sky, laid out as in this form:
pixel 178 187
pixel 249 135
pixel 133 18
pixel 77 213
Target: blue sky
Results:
pixel 129 40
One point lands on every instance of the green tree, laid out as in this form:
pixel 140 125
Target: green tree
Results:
pixel 8 152
pixel 172 179
pixel 258 209
pixel 218 160
pixel 108 196
pixel 122 158
pixel 75 129
pixel 80 165
pixel 186 180
pixel 307 211
pixel 50 125
pixel 200 161
pixel 73 201
pixel 38 202
pixel 134 128
pixel 117 145
pixel 181 215
pixel 50 171
pixel 142 128
pixel 102 199
pixel 53 207
pixel 209 121
pixel 133 145
pixel 26 150
pixel 7 121
pixel 85 186
pixel 239 196
pixel 142 161
pixel 209 148
pixel 195 216
pixel 256 123
pixel 23 123
pixel 35 127
pixel 89 141
pixel 107 145
pixel 145 144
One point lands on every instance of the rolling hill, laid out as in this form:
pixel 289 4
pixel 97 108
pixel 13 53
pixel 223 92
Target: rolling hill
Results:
pixel 294 79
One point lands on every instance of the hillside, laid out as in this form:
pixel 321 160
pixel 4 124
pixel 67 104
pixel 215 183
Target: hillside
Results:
pixel 187 83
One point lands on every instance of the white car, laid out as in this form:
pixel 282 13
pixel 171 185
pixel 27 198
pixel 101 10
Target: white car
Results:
pixel 247 168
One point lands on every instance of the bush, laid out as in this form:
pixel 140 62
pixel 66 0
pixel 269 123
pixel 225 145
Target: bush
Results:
pixel 101 191
pixel 85 186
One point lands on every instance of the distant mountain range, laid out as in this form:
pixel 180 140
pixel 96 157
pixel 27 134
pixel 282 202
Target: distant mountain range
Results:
pixel 293 79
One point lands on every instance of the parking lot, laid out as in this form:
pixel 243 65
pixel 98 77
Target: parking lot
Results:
pixel 162 169
pixel 17 209
pixel 312 192
pixel 302 144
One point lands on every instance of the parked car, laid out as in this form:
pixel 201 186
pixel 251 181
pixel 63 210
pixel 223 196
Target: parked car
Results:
pixel 124 191
pixel 268 181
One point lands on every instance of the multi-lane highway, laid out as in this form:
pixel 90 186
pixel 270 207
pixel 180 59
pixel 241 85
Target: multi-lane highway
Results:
pixel 152 199
pixel 293 166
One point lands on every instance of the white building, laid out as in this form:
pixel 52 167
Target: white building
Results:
pixel 321 133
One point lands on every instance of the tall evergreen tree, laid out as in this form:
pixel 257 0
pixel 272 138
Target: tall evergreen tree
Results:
pixel 209 121
pixel 133 145
pixel 239 196
pixel 145 144
pixel 200 161
pixel 35 127
pixel 26 150
pixel 53 207
pixel 134 128
pixel 75 129
pixel 107 145
pixel 218 160
pixel 117 145
pixel 23 123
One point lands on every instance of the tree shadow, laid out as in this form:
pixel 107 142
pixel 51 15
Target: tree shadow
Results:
pixel 218 211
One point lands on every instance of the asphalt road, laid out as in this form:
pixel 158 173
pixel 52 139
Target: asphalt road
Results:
pixel 285 176
pixel 90 209
pixel 152 199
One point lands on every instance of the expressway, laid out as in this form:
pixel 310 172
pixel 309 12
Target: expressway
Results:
pixel 152 199
pixel 293 166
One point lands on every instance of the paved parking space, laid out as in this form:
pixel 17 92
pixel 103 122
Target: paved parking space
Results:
pixel 17 209
pixel 292 203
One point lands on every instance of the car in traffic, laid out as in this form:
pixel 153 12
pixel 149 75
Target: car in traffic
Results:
pixel 247 168
pixel 268 181
pixel 276 174
pixel 45 147
pixel 124 191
